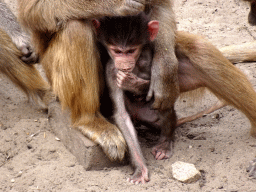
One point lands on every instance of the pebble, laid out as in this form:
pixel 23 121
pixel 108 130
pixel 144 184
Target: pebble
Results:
pixel 185 172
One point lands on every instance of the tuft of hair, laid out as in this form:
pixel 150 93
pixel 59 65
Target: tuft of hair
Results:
pixel 124 30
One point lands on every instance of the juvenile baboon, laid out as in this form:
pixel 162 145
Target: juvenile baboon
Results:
pixel 128 41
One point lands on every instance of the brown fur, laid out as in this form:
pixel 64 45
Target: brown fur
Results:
pixel 201 65
pixel 65 43
pixel 235 54
pixel 240 53
pixel 212 70
pixel 200 114
pixel 165 63
pixel 9 24
pixel 26 77
pixel 79 88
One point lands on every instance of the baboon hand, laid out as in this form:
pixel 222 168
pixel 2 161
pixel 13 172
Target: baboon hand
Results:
pixel 28 54
pixel 131 82
pixel 132 7
pixel 163 100
pixel 164 88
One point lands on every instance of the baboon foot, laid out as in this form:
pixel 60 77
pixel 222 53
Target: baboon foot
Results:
pixel 140 176
pixel 163 150
pixel 107 135
pixel 112 142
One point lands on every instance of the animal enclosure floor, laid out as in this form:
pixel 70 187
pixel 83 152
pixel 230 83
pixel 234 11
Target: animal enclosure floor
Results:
pixel 32 159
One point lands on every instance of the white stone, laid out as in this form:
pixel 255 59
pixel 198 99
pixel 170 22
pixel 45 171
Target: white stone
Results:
pixel 185 172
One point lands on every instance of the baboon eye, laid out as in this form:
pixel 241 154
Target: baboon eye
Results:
pixel 131 51
pixel 117 51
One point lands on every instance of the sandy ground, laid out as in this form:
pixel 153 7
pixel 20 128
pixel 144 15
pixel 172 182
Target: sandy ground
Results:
pixel 31 159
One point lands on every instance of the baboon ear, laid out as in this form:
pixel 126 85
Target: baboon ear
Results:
pixel 96 24
pixel 153 28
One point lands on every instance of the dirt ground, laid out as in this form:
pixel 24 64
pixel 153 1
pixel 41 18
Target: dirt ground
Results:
pixel 31 159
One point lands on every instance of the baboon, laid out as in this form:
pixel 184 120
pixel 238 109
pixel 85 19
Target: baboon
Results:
pixel 63 37
pixel 235 54
pixel 128 41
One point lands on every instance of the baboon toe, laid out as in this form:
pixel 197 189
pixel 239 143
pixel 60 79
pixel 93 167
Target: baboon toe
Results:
pixel 113 144
pixel 108 136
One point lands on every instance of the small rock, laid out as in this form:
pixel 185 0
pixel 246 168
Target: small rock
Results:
pixel 185 172
pixel 57 139
pixel 19 174
pixel 3 127
pixel 29 146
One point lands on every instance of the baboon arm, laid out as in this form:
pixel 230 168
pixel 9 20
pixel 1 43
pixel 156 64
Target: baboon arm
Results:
pixel 48 15
pixel 124 122
pixel 165 90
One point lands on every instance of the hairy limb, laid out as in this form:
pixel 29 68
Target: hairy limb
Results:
pixel 108 136
pixel 72 65
pixel 240 53
pixel 26 77
pixel 220 76
pixel 215 107
pixel 130 7
pixel 164 79
pixel 235 54
pixel 8 23
pixel 167 122
pixel 125 124
pixel 49 16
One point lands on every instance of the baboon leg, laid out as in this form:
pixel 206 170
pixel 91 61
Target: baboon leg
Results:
pixel 240 53
pixel 209 68
pixel 209 110
pixel 72 65
pixel 235 54
pixel 25 76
